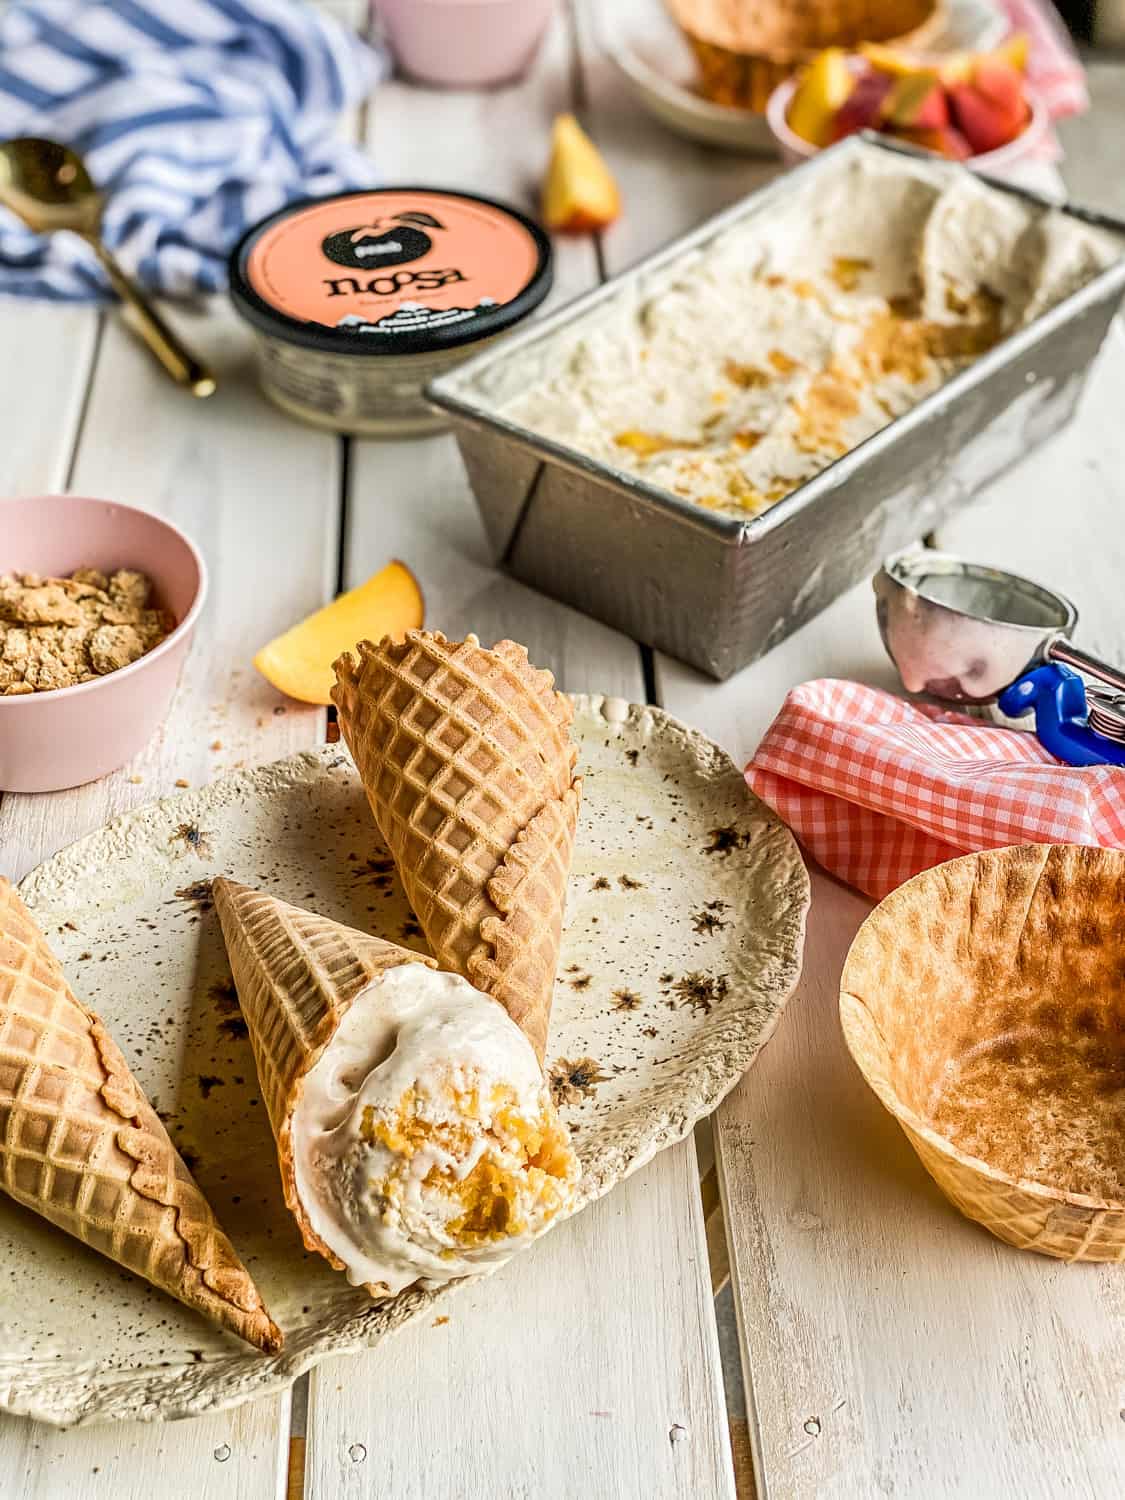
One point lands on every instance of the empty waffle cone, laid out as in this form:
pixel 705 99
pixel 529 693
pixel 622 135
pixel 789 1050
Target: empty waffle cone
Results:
pixel 466 758
pixel 984 1002
pixel 81 1145
pixel 296 974
pixel 745 48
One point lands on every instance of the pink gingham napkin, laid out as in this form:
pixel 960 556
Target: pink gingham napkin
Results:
pixel 878 789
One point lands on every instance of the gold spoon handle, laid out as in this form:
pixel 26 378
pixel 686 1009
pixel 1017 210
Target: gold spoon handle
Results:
pixel 164 342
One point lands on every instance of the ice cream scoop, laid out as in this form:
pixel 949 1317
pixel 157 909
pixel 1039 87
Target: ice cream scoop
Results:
pixel 964 631
pixel 416 1138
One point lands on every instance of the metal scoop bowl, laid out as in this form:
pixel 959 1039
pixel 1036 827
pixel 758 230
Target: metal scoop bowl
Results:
pixel 963 632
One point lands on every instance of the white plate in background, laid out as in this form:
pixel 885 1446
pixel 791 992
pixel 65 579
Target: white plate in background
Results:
pixel 650 52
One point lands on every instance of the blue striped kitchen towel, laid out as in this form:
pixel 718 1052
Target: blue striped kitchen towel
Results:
pixel 196 117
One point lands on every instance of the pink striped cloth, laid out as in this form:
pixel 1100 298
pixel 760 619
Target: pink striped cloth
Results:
pixel 878 789
pixel 1053 66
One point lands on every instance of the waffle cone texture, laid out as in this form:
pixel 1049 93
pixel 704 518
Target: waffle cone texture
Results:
pixel 466 758
pixel 984 1002
pixel 81 1145
pixel 297 975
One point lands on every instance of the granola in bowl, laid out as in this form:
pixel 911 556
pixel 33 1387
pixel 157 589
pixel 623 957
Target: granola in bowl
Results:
pixel 59 632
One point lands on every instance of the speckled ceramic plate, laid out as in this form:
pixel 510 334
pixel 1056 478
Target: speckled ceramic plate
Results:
pixel 685 924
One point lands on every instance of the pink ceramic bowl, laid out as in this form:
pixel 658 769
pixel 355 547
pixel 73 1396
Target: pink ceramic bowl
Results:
pixel 464 43
pixel 63 738
pixel 1026 146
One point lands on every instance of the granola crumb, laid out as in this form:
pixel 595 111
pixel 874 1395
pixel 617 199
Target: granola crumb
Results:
pixel 180 781
pixel 136 780
pixel 216 744
pixel 60 632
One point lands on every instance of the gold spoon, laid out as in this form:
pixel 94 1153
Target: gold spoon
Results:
pixel 48 187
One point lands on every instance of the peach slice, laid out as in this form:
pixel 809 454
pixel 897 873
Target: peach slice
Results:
pixel 579 194
pixel 959 67
pixel 299 663
pixel 1001 83
pixel 863 108
pixel 986 124
pixel 1014 51
pixel 888 60
pixel 917 102
pixel 946 141
pixel 822 90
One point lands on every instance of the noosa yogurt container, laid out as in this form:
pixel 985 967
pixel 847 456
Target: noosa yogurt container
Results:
pixel 361 298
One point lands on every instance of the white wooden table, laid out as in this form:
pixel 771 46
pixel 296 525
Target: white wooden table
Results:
pixel 889 1347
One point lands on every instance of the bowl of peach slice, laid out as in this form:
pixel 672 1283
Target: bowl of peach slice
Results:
pixel 970 107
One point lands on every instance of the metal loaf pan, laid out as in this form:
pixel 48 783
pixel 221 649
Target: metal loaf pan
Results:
pixel 717 591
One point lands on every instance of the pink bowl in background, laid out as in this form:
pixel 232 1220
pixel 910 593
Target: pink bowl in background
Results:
pixel 62 738
pixel 464 43
pixel 1026 146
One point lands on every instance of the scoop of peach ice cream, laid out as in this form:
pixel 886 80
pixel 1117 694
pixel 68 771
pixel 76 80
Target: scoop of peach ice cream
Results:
pixel 425 1142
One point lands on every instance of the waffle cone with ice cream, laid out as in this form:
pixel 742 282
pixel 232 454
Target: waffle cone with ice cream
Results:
pixel 466 758
pixel 745 48
pixel 416 1138
pixel 81 1145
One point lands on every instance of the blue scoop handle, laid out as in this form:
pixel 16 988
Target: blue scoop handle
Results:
pixel 1058 698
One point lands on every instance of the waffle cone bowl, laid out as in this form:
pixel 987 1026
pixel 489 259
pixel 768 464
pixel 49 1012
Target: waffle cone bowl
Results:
pixel 984 1002
pixel 745 48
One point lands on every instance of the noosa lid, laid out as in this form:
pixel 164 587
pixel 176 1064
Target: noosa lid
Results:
pixel 390 271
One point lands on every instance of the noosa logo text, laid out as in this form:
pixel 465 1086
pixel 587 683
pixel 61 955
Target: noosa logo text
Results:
pixel 397 281
pixel 385 242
